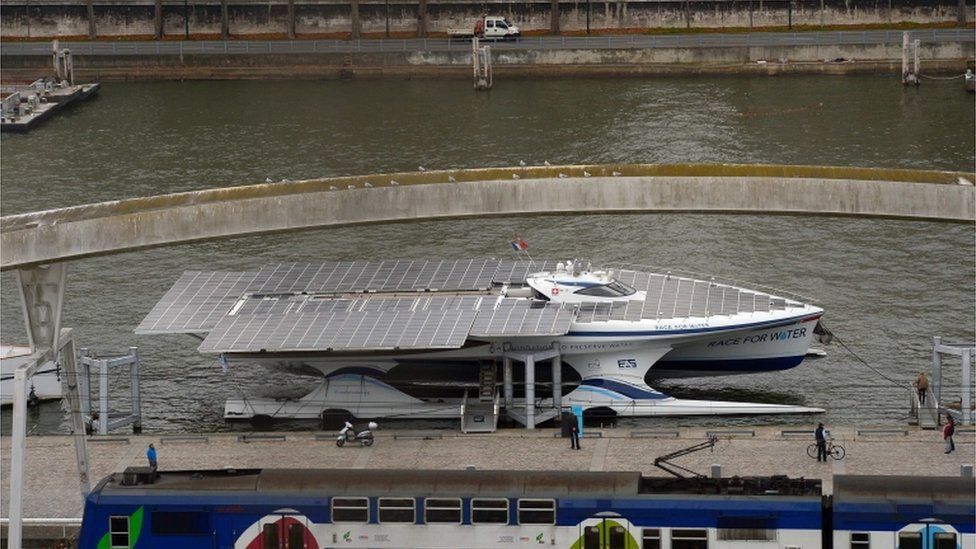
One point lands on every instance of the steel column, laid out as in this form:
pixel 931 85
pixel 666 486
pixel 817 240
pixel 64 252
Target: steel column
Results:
pixel 530 392
pixel 134 388
pixel 507 382
pixel 71 383
pixel 102 397
pixel 18 447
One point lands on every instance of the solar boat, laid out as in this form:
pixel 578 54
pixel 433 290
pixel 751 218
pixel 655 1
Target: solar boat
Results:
pixel 357 321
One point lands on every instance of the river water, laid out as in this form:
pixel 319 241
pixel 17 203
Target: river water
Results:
pixel 887 286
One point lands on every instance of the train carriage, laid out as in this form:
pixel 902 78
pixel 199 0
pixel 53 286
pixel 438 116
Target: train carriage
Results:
pixel 330 508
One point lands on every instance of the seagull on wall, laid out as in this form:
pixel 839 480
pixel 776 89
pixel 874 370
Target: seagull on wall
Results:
pixel 521 162
pixel 366 184
pixel 451 179
pixel 615 174
pixel 586 174
pixel 515 176
pixel 562 175
pixel 393 182
pixel 351 187
pixel 421 168
pixel 547 163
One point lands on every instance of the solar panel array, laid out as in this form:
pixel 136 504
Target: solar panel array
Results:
pixel 517 317
pixel 391 329
pixel 378 276
pixel 291 306
pixel 196 302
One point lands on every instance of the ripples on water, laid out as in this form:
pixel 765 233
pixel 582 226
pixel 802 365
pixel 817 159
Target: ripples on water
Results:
pixel 887 286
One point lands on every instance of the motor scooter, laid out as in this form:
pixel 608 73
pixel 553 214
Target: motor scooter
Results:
pixel 348 434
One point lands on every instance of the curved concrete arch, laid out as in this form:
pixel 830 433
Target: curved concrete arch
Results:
pixel 121 226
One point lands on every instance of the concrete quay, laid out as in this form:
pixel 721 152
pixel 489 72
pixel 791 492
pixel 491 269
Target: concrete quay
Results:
pixel 51 482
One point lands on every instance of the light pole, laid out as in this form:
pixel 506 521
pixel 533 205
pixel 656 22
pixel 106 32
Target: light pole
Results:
pixel 186 19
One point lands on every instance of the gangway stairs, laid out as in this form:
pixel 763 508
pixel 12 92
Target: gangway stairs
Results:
pixel 927 413
pixel 481 415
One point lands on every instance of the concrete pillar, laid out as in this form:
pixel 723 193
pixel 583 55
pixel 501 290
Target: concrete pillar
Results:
pixel 291 19
pixel 422 19
pixel 158 20
pixel 507 382
pixel 967 380
pixel 554 17
pixel 356 29
pixel 224 22
pixel 90 8
pixel 937 369
pixel 557 383
pixel 530 392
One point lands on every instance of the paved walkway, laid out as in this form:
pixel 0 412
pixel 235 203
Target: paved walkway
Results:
pixel 51 485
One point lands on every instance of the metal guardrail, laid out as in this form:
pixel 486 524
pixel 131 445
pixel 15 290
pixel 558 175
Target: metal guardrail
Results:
pixel 632 41
pixel 108 440
pixel 796 433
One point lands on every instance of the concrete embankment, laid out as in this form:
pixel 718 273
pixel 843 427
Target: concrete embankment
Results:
pixel 40 19
pixel 750 60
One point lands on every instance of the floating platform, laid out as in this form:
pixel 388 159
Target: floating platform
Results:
pixel 24 107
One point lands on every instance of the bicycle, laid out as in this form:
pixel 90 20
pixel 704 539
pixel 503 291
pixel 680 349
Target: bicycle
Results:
pixel 835 451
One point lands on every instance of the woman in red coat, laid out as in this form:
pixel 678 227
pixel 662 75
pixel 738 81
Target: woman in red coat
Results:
pixel 947 432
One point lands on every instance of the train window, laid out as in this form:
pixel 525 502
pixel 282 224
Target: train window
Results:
pixel 397 510
pixel 350 510
pixel 536 511
pixel 652 538
pixel 118 528
pixel 746 529
pixel 489 511
pixel 181 523
pixel 442 510
pixel 271 536
pixel 689 539
pixel 860 540
pixel 945 540
pixel 909 540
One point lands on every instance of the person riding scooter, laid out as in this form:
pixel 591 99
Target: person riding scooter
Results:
pixel 349 434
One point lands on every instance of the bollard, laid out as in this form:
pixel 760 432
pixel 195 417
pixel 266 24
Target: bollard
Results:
pixel 716 470
pixel 966 470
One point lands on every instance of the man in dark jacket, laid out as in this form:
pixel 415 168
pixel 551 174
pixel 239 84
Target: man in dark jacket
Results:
pixel 821 436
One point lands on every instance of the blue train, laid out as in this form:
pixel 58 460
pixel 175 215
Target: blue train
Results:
pixel 331 508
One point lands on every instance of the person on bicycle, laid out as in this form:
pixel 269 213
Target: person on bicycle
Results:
pixel 821 435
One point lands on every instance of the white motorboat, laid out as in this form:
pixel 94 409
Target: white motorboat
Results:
pixel 43 385
pixel 357 321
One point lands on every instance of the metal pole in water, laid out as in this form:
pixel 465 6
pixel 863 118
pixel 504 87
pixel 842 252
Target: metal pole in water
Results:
pixel 937 369
pixel 967 380
pixel 530 392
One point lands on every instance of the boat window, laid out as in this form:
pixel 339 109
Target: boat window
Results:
pixel 945 540
pixel 118 528
pixel 652 538
pixel 489 511
pixel 614 289
pixel 350 510
pixel 442 510
pixel 860 540
pixel 180 523
pixel 536 511
pixel 397 510
pixel 689 539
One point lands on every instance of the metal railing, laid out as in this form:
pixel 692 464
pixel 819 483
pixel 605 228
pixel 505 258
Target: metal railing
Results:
pixel 631 41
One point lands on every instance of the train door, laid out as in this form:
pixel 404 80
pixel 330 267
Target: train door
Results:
pixel 927 535
pixel 287 532
pixel 609 531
